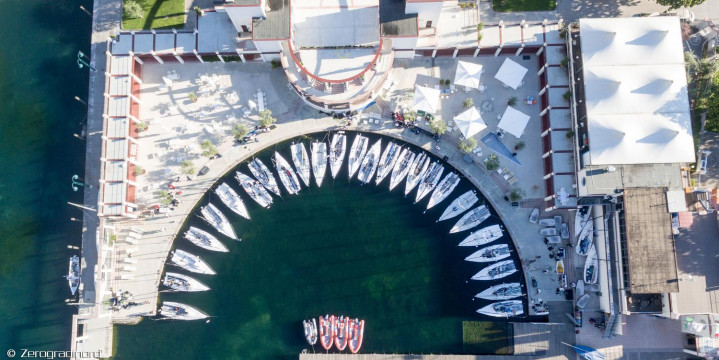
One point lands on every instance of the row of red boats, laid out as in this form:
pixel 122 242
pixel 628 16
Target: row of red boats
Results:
pixel 341 331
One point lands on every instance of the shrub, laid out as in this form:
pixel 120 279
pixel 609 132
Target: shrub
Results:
pixel 187 167
pixel 138 170
pixel 410 116
pixel 438 127
pixel 564 62
pixel 239 131
pixel 492 162
pixel 132 10
pixel 208 149
pixel 266 118
pixel 275 64
pixel 515 195
pixel 563 33
pixel 165 197
pixel 468 103
pixel 567 95
pixel 479 37
pixel 480 26
pixel 519 146
pixel 570 134
pixel 198 11
pixel 512 101
pixel 141 126
pixel 192 96
pixel 467 145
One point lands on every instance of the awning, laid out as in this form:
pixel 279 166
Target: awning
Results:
pixel 511 73
pixel 426 99
pixel 468 74
pixel 470 122
pixel 513 121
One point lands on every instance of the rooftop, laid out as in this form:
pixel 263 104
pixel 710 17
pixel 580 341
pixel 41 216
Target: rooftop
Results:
pixel 697 254
pixel 276 25
pixel 327 23
pixel 394 21
pixel 596 179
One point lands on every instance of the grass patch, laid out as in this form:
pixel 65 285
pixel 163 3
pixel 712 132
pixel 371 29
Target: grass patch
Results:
pixel 487 338
pixel 157 14
pixel 523 5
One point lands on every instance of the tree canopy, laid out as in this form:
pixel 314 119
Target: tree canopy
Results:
pixel 676 4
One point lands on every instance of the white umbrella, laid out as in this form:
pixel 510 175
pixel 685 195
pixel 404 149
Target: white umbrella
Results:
pixel 470 122
pixel 426 99
pixel 467 74
pixel 511 73
pixel 513 121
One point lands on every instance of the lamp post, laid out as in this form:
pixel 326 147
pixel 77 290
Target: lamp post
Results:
pixel 81 62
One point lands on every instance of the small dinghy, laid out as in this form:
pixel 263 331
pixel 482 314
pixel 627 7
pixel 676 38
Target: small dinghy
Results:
pixel 429 181
pixel 496 271
pixel 338 147
pixel 583 246
pixel 180 282
pixel 546 222
pixel 401 167
pixel 587 232
pixel 548 232
pixel 319 161
pixel 580 219
pixel 357 153
pixel 554 239
pixel 229 197
pixel 264 175
pixel 417 171
pixel 471 219
pixel 501 292
pixel 177 311
pixel 490 253
pixel 190 262
pixel 591 266
pixel 460 205
pixel 254 189
pixel 583 300
pixel 204 240
pixel 387 160
pixel 287 175
pixel 356 335
pixel 442 191
pixel 301 161
pixel 369 163
pixel 483 236
pixel 218 220
pixel 327 331
pixel 534 216
pixel 310 328
pixel 343 329
pixel 507 308
pixel 73 274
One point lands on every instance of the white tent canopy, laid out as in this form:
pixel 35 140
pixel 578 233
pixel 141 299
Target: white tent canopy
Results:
pixel 470 122
pixel 426 99
pixel 513 121
pixel 467 74
pixel 511 73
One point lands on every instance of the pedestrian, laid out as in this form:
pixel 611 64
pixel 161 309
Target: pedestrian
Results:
pixel 539 291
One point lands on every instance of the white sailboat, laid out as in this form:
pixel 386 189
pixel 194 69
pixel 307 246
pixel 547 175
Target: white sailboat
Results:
pixel 503 309
pixel 585 242
pixel 429 181
pixel 496 271
pixel 218 220
pixel 490 254
pixel 591 266
pixel 319 161
pixel 204 240
pixel 445 187
pixel 357 153
pixel 190 262
pixel 287 175
pixel 180 282
pixel 264 175
pixel 580 219
pixel 387 160
pixel 417 172
pixel 301 161
pixel 471 219
pixel 73 274
pixel 483 236
pixel 229 197
pixel 177 311
pixel 369 163
pixel 401 167
pixel 338 146
pixel 255 189
pixel 460 205
pixel 501 292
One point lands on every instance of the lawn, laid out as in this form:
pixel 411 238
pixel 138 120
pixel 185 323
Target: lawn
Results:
pixel 158 14
pixel 487 338
pixel 523 5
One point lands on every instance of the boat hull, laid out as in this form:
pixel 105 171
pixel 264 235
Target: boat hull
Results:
pixel 369 163
pixel 490 254
pixel 495 271
pixel 461 204
pixel 338 147
pixel 442 191
pixel 484 236
pixel 471 219
pixel 319 161
pixel 178 311
pixel 501 292
pixel 357 153
pixel 503 309
pixel 232 200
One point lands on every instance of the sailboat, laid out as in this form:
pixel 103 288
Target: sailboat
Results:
pixel 580 219
pixel 496 271
pixel 584 244
pixel 190 262
pixel 387 160
pixel 177 311
pixel 73 274
pixel 483 236
pixel 591 266
pixel 264 175
pixel 585 235
pixel 429 181
pixel 319 161
pixel 218 220
pixel 180 282
pixel 417 171
pixel 229 197
pixel 301 161
pixel 442 191
pixel 490 253
pixel 401 167
pixel 287 175
pixel 503 309
pixel 357 153
pixel 501 292
pixel 369 163
pixel 338 146
pixel 204 240
pixel 460 205
pixel 255 189
pixel 471 219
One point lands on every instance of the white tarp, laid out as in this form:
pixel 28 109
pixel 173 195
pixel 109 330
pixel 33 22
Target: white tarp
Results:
pixel 470 122
pixel 511 73
pixel 426 99
pixel 513 121
pixel 467 74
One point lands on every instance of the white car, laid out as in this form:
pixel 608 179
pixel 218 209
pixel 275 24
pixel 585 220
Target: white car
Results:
pixel 703 159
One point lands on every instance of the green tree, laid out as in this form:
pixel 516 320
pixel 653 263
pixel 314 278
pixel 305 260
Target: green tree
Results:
pixel 192 97
pixel 492 162
pixel 512 101
pixel 132 10
pixel 515 195
pixel 468 103
pixel 467 145
pixel 165 197
pixel 239 131
pixel 208 149
pixel 138 170
pixel 676 4
pixel 187 167
pixel 438 127
pixel 266 118
pixel 519 146
pixel 410 116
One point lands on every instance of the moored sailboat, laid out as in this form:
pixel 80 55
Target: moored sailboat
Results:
pixel 429 181
pixel 483 236
pixel 490 253
pixel 471 219
pixel 442 191
pixel 319 161
pixel 501 292
pixel 218 220
pixel 190 262
pixel 180 282
pixel 357 153
pixel 417 171
pixel 264 175
pixel 177 311
pixel 503 309
pixel 496 271
pixel 254 189
pixel 460 205
pixel 229 197
pixel 287 175
pixel 301 161
pixel 387 160
pixel 369 163
pixel 73 274
pixel 591 266
pixel 338 146
pixel 401 167
pixel 204 240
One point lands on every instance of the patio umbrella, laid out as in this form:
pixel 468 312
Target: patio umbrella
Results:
pixel 470 122
pixel 511 73
pixel 467 74
pixel 513 121
pixel 426 99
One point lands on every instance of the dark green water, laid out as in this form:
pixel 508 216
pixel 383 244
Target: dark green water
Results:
pixel 38 156
pixel 339 249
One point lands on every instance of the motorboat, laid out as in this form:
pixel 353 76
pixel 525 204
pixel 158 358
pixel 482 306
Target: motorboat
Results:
pixel 177 311
pixel 483 236
pixel 429 181
pixel 327 331
pixel 319 161
pixel 356 334
pixel 287 175
pixel 506 308
pixel 490 253
pixel 442 191
pixel 471 219
pixel 580 219
pixel 73 274
pixel 582 301
pixel 264 175
pixel 190 262
pixel 387 160
pixel 401 167
pixel 218 220
pixel 310 327
pixel 534 216
pixel 302 162
pixel 338 147
pixel 546 222
pixel 548 231
pixel 343 328
pixel 417 172
pixel 591 266
pixel 369 163
pixel 587 232
pixel 229 197
pixel 357 153
pixel 564 231
pixel 254 189
pixel 496 271
pixel 180 282
pixel 583 245
pixel 460 205
pixel 204 240
pixel 501 292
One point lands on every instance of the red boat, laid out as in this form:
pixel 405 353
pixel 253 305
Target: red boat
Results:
pixel 327 331
pixel 343 328
pixel 356 333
